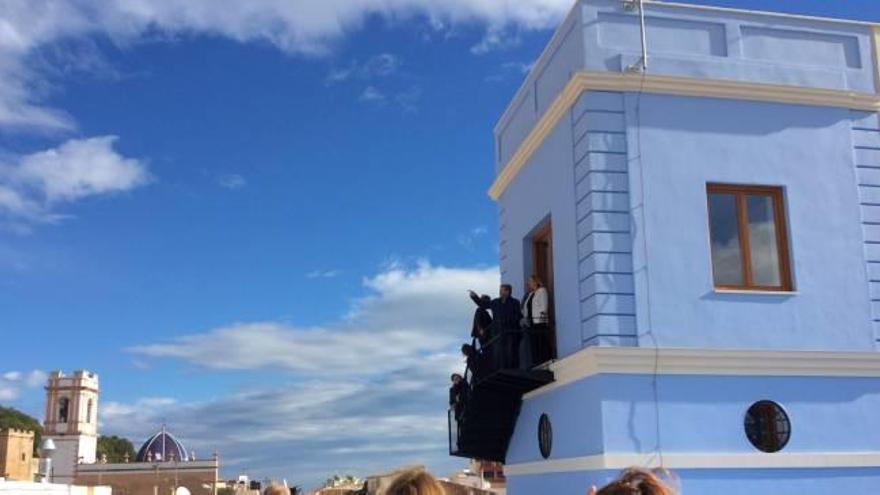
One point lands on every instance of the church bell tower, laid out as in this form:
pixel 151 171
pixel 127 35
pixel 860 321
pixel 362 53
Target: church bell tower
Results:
pixel 71 421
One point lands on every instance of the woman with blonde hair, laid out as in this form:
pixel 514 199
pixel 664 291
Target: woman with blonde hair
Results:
pixel 415 482
pixel 536 324
pixel 634 481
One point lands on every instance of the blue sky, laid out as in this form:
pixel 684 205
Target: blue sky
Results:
pixel 258 223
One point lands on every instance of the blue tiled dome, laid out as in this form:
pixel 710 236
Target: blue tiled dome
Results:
pixel 162 447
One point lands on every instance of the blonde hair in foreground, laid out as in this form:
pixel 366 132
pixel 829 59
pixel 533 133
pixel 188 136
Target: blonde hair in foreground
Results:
pixel 277 490
pixel 415 482
pixel 635 481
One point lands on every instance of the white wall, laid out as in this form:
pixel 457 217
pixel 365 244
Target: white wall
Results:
pixel 22 487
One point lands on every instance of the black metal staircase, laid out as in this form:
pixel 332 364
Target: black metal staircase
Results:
pixel 486 421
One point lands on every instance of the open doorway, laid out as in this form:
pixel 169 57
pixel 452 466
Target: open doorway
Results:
pixel 542 266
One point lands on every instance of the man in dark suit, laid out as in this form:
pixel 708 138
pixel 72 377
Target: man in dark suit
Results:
pixel 506 315
pixel 482 327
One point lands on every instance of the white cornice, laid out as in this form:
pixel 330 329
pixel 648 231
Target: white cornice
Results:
pixel 677 86
pixel 542 58
pixel 725 362
pixel 762 13
pixel 702 460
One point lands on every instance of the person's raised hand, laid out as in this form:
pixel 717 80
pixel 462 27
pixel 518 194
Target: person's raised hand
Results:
pixel 593 490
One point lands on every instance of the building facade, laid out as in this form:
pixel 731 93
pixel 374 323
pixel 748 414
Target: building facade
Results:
pixel 35 488
pixel 151 478
pixel 17 455
pixel 162 465
pixel 707 219
pixel 71 421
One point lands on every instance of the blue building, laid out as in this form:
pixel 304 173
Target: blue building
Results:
pixel 707 219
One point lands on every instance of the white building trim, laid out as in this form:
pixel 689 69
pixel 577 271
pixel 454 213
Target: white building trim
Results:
pixel 542 59
pixel 762 13
pixel 726 362
pixel 699 460
pixel 676 86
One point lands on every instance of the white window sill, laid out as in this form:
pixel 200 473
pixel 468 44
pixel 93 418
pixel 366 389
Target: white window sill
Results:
pixel 757 292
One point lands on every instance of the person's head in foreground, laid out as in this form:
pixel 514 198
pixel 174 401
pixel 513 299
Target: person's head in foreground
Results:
pixel 277 490
pixel 415 482
pixel 634 481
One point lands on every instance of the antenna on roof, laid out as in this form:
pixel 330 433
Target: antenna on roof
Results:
pixel 642 64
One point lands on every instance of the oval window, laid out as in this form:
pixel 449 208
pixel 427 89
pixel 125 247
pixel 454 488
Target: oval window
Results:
pixel 545 436
pixel 767 426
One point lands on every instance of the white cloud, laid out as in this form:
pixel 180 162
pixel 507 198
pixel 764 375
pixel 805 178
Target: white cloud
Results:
pixel 409 315
pixel 231 181
pixel 508 70
pixel 80 168
pixel 337 422
pixel 371 94
pixel 31 186
pixel 408 99
pixel 373 382
pixel 520 67
pixel 381 65
pixel 304 27
pixel 496 38
pixel 13 382
pixel 469 238
pixel 323 273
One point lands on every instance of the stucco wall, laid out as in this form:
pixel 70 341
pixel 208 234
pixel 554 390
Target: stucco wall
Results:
pixel 706 44
pixel 684 143
pixel 624 175
pixel 622 414
pixel 715 482
pixel 601 178
pixel 651 157
pixel 541 192
pixel 866 150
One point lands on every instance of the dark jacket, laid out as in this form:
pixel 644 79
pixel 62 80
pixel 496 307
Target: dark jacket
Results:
pixel 506 313
pixel 482 323
pixel 458 393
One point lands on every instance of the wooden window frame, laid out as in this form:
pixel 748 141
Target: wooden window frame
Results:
pixel 779 218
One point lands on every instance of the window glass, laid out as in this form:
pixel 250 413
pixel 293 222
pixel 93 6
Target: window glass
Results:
pixel 767 426
pixel 726 253
pixel 63 406
pixel 545 436
pixel 762 241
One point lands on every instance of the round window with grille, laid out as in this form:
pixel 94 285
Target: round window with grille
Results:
pixel 767 426
pixel 545 436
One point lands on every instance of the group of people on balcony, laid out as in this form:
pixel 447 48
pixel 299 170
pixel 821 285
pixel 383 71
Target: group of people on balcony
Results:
pixel 511 334
pixel 506 334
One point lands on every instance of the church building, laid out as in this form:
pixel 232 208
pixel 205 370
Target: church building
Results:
pixel 162 465
pixel 699 190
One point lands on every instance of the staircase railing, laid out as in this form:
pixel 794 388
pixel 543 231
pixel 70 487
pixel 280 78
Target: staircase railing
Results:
pixel 482 421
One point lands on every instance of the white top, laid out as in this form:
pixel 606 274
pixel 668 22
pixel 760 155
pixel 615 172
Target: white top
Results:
pixel 540 306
